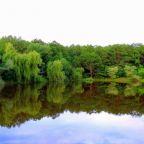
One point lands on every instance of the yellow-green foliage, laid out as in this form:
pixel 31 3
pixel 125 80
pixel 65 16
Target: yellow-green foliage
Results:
pixel 55 72
pixel 129 90
pixel 112 71
pixel 25 65
pixel 129 70
pixel 112 89
pixel 10 52
pixel 55 94
pixel 78 74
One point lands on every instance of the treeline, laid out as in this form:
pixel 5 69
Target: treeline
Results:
pixel 35 61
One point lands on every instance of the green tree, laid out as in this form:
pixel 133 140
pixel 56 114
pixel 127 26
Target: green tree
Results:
pixel 130 70
pixel 112 71
pixel 89 60
pixel 141 72
pixel 25 65
pixel 55 72
pixel 78 74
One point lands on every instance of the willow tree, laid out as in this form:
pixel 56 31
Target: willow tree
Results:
pixel 25 65
pixel 9 53
pixel 6 59
pixel 34 60
pixel 55 72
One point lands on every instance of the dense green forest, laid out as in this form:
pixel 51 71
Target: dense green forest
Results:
pixel 22 61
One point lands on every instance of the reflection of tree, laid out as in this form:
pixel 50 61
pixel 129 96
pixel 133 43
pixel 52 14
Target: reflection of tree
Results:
pixel 21 103
pixel 24 101
pixel 133 88
pixel 127 90
pixel 76 89
pixel 27 100
pixel 112 89
pixel 55 94
pixel 130 90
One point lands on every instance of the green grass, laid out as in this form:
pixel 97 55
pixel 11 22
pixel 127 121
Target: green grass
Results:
pixel 117 80
pixel 91 80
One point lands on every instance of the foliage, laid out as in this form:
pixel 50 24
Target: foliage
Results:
pixel 141 72
pixel 25 61
pixel 130 70
pixel 54 94
pixel 90 60
pixel 112 71
pixel 55 72
pixel 112 89
pixel 78 74
pixel 25 65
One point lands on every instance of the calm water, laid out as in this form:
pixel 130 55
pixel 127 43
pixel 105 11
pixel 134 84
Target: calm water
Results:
pixel 96 114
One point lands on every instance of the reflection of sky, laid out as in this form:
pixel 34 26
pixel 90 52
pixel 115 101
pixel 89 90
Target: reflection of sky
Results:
pixel 82 128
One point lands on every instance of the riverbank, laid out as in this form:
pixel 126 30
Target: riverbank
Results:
pixel 110 80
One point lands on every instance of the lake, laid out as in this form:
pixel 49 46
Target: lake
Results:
pixel 78 114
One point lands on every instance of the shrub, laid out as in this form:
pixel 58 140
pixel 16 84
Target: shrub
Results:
pixel 130 70
pixel 112 71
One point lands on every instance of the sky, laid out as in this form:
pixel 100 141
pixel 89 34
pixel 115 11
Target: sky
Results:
pixel 96 22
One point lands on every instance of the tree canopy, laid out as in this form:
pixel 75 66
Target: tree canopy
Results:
pixel 25 61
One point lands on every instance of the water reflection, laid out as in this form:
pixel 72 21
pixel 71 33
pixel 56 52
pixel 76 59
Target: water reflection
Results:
pixel 112 89
pixel 55 94
pixel 21 103
pixel 93 114
pixel 79 128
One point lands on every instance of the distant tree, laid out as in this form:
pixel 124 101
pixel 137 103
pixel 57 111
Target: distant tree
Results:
pixel 38 41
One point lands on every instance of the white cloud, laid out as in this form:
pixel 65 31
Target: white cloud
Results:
pixel 74 21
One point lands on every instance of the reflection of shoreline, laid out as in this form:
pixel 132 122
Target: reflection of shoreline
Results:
pixel 127 90
pixel 21 103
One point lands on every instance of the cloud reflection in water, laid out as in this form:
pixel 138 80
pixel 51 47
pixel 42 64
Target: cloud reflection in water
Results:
pixel 82 128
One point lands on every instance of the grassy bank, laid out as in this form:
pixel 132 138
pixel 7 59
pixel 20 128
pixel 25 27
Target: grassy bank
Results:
pixel 116 80
pixel 125 80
